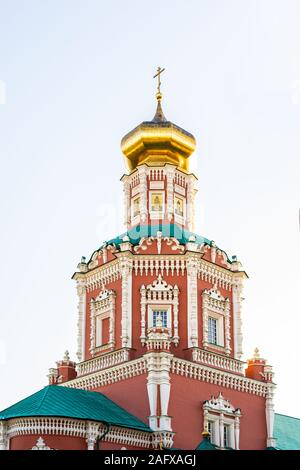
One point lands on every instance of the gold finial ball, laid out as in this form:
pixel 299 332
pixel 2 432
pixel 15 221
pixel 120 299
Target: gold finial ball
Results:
pixel 159 96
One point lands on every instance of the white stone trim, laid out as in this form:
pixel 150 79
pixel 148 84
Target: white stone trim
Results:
pixel 210 358
pixel 237 318
pixel 81 291
pixel 4 436
pixel 126 322
pixel 40 445
pixel 108 376
pixel 216 306
pixel 142 172
pixel 192 299
pixel 157 185
pixel 221 413
pixel 46 425
pixel 102 362
pixel 90 430
pixel 104 274
pixel 102 307
pixel 271 441
pixel 158 367
pixel 218 377
pixel 158 295
pixel 170 173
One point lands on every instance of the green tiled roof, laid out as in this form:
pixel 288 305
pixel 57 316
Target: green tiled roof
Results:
pixel 67 402
pixel 168 230
pixel 287 432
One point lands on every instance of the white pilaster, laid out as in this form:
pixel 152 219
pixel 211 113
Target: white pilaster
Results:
pixel 190 209
pixel 81 291
pixel 271 441
pixel 221 428
pixel 4 441
pixel 170 191
pixel 227 327
pixel 192 299
pixel 126 323
pixel 158 366
pixel 237 318
pixel 92 433
pixel 237 432
pixel 143 192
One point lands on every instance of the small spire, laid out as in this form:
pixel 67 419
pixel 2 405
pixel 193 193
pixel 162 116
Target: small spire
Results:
pixel 256 354
pixel 66 356
pixel 159 115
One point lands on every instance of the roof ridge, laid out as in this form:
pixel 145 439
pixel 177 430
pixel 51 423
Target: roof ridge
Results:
pixel 287 416
pixel 46 389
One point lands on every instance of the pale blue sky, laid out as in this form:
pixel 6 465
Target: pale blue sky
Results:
pixel 78 76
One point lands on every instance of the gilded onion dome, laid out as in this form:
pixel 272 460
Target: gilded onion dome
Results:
pixel 158 142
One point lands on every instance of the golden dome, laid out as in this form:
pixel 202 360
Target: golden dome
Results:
pixel 157 142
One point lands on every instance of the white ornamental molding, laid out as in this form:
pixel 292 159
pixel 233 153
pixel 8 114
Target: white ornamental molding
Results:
pixel 271 441
pixel 81 292
pixel 164 265
pixel 102 362
pixel 40 445
pixel 148 241
pixel 102 307
pixel 214 302
pixel 218 413
pixel 192 298
pixel 4 438
pixel 218 377
pixel 104 274
pixel 237 300
pixel 126 322
pixel 108 376
pixel 170 170
pixel 89 430
pixel 221 405
pixel 158 382
pixel 158 293
pixel 142 172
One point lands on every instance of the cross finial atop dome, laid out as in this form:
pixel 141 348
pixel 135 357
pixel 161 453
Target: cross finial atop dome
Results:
pixel 159 115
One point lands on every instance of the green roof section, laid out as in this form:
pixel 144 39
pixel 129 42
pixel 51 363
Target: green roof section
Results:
pixel 55 400
pixel 287 432
pixel 168 230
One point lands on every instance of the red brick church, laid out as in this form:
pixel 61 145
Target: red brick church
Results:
pixel 159 360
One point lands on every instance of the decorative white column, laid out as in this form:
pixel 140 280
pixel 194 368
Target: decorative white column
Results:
pixel 165 388
pixel 192 299
pixel 126 323
pixel 221 429
pixel 271 441
pixel 237 432
pixel 190 209
pixel 126 200
pixel 143 314
pixel 232 436
pixel 92 433
pixel 227 327
pixel 175 313
pixel 158 367
pixel 237 289
pixel 81 291
pixel 143 193
pixel 170 171
pixel 4 441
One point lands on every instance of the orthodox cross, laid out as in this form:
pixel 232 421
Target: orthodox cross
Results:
pixel 159 71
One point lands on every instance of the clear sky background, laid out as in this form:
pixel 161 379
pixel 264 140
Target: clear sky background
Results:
pixel 75 76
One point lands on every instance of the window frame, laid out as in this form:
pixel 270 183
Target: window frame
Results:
pixel 156 214
pixel 157 307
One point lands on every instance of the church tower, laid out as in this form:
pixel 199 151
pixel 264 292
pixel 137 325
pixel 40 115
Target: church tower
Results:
pixel 160 314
